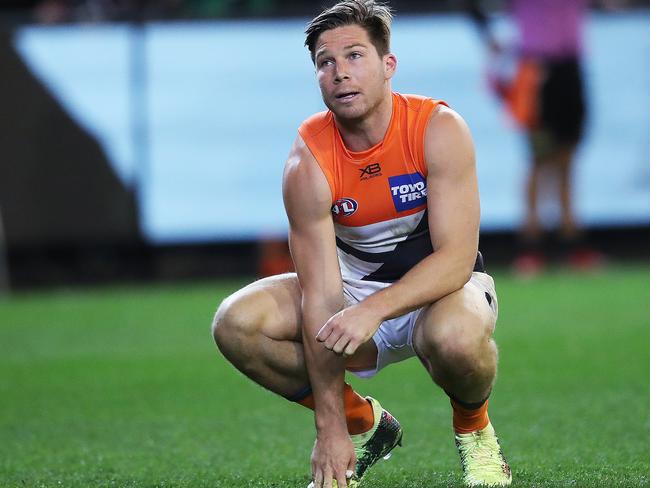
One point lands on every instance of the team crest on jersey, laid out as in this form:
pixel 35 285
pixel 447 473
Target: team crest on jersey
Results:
pixel 344 207
pixel 408 191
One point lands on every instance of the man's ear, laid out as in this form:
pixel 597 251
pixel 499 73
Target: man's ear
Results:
pixel 390 65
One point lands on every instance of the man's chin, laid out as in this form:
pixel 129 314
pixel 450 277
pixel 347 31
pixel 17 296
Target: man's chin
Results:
pixel 348 112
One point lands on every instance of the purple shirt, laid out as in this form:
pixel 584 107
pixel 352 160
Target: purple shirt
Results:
pixel 549 28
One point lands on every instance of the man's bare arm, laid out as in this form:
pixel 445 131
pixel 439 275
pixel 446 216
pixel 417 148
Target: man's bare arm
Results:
pixel 454 215
pixel 307 199
pixel 453 208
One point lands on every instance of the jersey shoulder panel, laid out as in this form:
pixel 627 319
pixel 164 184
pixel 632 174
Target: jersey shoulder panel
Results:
pixel 316 123
pixel 318 134
pixel 420 102
pixel 418 110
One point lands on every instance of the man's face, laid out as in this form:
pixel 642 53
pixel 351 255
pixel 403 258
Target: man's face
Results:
pixel 353 78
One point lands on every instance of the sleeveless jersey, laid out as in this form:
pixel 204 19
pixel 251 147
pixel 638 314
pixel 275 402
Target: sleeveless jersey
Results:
pixel 379 196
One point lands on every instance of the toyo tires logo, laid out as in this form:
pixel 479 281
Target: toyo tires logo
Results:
pixel 408 191
pixel 344 207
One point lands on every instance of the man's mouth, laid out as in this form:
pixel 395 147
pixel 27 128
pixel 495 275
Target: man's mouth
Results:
pixel 347 96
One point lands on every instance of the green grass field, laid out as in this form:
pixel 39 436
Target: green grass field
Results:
pixel 123 387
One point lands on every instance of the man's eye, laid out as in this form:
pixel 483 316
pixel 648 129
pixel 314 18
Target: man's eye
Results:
pixel 355 55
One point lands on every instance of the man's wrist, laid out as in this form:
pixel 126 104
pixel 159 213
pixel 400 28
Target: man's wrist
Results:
pixel 326 424
pixel 335 427
pixel 329 408
pixel 378 306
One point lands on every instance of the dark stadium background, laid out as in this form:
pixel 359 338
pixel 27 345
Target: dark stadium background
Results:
pixel 67 218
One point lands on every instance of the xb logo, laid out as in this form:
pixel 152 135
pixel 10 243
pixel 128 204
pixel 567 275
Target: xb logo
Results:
pixel 344 207
pixel 370 171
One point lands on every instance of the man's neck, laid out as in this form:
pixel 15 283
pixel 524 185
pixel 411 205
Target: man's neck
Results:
pixel 360 135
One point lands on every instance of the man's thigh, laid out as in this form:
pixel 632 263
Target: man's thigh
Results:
pixel 272 305
pixel 465 314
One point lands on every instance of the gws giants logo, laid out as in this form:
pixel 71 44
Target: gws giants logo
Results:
pixel 408 191
pixel 344 207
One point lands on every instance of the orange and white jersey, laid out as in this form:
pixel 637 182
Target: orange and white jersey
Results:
pixel 379 196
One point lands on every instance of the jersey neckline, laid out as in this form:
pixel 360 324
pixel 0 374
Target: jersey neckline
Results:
pixel 359 157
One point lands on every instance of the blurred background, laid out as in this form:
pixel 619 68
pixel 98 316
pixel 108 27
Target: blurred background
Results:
pixel 144 140
pixel 142 146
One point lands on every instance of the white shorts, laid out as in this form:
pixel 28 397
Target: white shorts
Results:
pixel 394 338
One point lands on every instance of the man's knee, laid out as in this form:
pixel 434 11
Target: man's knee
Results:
pixel 266 308
pixel 461 343
pixel 234 320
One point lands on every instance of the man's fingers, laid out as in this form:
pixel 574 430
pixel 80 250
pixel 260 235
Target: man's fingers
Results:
pixel 324 332
pixel 351 348
pixel 352 463
pixel 341 481
pixel 327 479
pixel 331 341
pixel 318 479
pixel 340 345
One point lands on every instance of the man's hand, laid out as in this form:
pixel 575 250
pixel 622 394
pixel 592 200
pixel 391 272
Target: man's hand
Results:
pixel 345 331
pixel 332 459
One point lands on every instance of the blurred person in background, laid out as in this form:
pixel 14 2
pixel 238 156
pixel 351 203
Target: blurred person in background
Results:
pixel 545 97
pixel 382 199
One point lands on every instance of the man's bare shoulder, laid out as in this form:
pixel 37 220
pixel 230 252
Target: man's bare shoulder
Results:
pixel 300 161
pixel 303 183
pixel 447 136
pixel 445 122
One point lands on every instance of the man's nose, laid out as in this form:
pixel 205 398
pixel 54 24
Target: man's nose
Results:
pixel 341 73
